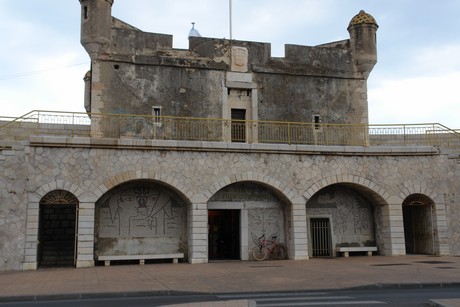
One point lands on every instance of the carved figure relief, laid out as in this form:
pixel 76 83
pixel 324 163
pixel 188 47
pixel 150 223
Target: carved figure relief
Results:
pixel 350 214
pixel 263 221
pixel 140 212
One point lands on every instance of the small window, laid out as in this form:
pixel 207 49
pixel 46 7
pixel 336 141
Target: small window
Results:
pixel 85 12
pixel 156 112
pixel 317 121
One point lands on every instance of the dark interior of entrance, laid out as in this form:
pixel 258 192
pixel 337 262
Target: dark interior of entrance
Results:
pixel 57 235
pixel 224 234
pixel 418 229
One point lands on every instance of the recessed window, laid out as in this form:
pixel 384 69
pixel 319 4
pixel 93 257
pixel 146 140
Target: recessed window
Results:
pixel 317 121
pixel 238 125
pixel 85 12
pixel 156 112
pixel 116 66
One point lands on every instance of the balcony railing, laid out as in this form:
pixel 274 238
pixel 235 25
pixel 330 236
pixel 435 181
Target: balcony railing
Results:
pixel 73 124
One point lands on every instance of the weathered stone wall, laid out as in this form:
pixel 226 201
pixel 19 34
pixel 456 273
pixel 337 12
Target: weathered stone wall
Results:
pixel 183 86
pixel 128 88
pixel 453 217
pixel 196 176
pixel 14 184
pixel 299 98
pixel 133 71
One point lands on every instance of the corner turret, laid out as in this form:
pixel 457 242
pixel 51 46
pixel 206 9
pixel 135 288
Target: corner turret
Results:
pixel 363 40
pixel 96 24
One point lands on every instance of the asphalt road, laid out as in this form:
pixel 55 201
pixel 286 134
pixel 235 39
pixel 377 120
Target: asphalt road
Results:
pixel 353 297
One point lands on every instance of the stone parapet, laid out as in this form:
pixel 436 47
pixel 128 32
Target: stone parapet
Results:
pixel 127 143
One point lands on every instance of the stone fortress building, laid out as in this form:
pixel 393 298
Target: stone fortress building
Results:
pixel 194 154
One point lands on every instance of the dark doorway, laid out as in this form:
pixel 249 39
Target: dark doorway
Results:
pixel 238 125
pixel 320 237
pixel 224 234
pixel 57 235
pixel 418 229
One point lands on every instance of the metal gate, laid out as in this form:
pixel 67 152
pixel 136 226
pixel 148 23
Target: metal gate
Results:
pixel 320 237
pixel 418 229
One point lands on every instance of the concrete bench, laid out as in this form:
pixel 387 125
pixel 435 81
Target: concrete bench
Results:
pixel 347 250
pixel 141 258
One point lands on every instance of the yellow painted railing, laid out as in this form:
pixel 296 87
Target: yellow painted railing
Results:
pixel 73 124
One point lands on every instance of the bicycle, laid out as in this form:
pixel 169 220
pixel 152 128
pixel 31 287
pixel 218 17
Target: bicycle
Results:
pixel 269 248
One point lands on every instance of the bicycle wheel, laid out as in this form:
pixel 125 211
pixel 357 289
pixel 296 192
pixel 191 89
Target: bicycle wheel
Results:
pixel 280 252
pixel 259 253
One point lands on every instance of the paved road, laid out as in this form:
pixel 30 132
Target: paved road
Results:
pixel 231 277
pixel 367 297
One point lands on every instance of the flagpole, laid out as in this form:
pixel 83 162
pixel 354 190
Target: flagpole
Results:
pixel 230 17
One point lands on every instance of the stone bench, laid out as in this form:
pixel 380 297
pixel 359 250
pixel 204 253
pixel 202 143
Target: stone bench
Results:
pixel 347 250
pixel 141 258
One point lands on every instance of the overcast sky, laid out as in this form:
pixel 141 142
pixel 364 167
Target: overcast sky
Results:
pixel 416 79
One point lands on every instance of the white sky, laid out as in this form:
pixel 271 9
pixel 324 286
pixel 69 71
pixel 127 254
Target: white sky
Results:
pixel 416 79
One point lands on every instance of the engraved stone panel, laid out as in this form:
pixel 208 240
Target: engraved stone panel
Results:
pixel 351 215
pixel 140 218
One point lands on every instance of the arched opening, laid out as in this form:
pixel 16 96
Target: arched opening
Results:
pixel 239 214
pixel 418 224
pixel 343 215
pixel 57 229
pixel 140 217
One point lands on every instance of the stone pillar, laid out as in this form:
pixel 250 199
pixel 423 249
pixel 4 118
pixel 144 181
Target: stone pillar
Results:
pixel 393 230
pixel 85 235
pixel 441 232
pixel 31 244
pixel 198 233
pixel 298 245
pixel 244 235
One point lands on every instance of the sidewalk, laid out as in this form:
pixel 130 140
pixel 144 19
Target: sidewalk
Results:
pixel 232 276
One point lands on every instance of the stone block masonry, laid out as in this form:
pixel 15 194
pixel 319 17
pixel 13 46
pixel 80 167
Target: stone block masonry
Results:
pixel 195 176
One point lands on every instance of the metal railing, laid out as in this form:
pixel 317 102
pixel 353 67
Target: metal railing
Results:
pixel 72 124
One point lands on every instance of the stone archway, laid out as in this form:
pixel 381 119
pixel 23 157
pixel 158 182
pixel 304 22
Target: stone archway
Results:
pixel 255 210
pixel 57 229
pixel 418 224
pixel 343 215
pixel 140 217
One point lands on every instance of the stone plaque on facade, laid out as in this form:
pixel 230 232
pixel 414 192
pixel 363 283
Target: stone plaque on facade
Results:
pixel 239 59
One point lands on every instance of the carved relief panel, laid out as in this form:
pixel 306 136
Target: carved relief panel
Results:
pixel 352 217
pixel 140 218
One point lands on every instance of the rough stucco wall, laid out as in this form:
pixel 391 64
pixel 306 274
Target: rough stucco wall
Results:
pixel 135 89
pixel 193 92
pixel 191 83
pixel 298 98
